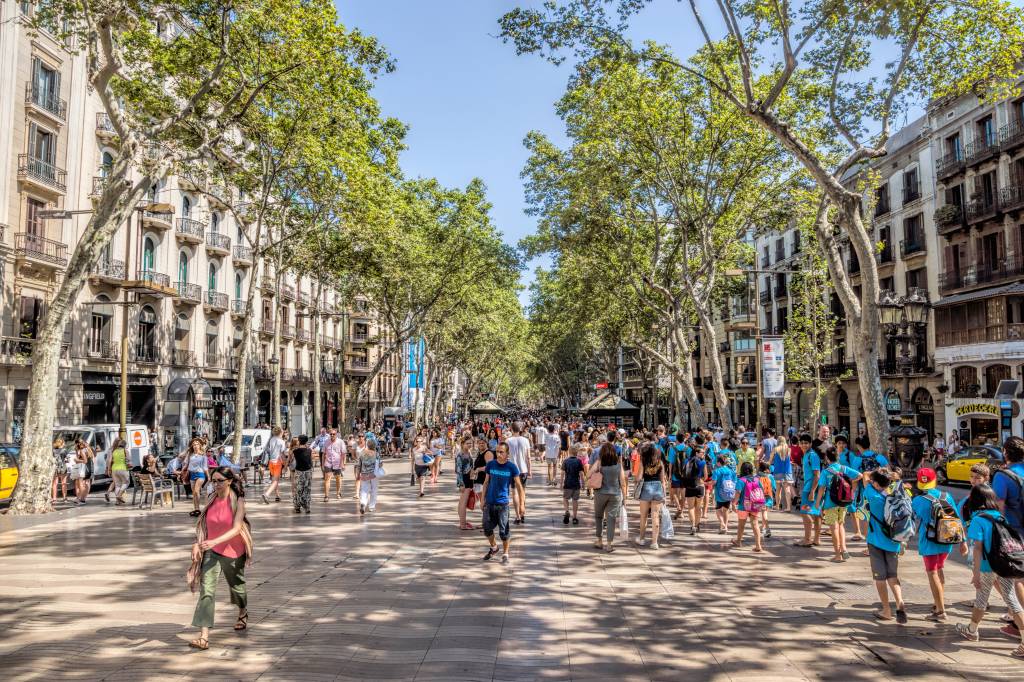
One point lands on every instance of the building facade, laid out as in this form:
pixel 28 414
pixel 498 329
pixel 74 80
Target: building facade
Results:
pixel 173 281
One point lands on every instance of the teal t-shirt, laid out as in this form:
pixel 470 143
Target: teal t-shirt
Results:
pixel 720 475
pixel 830 472
pixel 922 506
pixel 980 529
pixel 877 536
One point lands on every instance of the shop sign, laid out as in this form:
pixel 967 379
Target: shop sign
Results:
pixel 893 402
pixel 977 408
pixel 94 397
pixel 773 367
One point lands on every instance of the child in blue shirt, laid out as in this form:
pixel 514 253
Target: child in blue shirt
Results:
pixel 834 515
pixel 724 480
pixel 883 551
pixel 932 553
pixel 986 505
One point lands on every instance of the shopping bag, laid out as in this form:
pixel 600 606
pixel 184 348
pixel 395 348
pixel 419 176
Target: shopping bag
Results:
pixel 623 523
pixel 471 502
pixel 667 530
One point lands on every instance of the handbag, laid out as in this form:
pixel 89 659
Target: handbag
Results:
pixel 668 531
pixel 638 489
pixel 471 502
pixel 378 471
pixel 595 479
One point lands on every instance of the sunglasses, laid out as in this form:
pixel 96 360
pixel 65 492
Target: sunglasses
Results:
pixel 218 481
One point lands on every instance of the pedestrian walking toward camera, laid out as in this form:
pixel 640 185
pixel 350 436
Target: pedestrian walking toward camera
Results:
pixel 464 478
pixel 552 446
pixel 987 531
pixel 519 454
pixel 117 470
pixel 369 470
pixel 724 480
pixel 60 471
pixel 810 466
pixel 835 495
pixel 84 461
pixel 302 491
pixel 334 463
pixel 502 475
pixel 223 545
pixel 197 468
pixel 274 452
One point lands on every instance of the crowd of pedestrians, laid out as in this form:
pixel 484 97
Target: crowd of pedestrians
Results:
pixel 729 484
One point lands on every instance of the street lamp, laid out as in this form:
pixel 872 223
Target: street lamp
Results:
pixel 904 319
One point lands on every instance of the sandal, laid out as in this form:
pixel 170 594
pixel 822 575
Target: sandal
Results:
pixel 242 622
pixel 881 616
pixel 803 544
pixel 201 643
pixel 1018 652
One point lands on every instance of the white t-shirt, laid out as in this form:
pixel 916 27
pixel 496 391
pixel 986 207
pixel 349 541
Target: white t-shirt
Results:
pixel 519 453
pixel 552 444
pixel 539 434
pixel 274 449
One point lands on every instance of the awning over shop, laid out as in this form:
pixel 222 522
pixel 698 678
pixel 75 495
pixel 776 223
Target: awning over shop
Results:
pixel 609 402
pixel 179 388
pixel 485 407
pixel 1005 290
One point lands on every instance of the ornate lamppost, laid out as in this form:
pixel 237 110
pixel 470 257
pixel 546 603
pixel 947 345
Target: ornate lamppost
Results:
pixel 904 320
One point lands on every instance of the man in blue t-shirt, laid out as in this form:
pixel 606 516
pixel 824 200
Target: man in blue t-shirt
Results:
pixel 500 476
pixel 1008 483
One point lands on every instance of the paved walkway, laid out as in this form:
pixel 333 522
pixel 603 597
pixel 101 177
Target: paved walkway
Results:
pixel 99 593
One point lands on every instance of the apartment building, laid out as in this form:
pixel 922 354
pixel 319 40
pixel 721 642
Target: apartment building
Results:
pixel 907 260
pixel 173 280
pixel 979 170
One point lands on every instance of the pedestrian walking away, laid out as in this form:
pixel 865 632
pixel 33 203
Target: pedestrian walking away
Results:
pixel 223 544
pixel 274 451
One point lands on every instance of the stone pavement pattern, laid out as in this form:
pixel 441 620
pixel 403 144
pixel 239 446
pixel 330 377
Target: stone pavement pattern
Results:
pixel 100 593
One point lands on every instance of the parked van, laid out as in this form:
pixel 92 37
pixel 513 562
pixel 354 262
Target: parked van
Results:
pixel 101 437
pixel 253 443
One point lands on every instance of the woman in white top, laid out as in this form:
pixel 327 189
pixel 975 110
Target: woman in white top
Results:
pixel 421 460
pixel 198 472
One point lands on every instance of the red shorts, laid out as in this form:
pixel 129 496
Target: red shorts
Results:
pixel 934 562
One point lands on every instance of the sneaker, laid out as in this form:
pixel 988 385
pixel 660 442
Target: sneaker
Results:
pixel 504 558
pixel 362 509
pixel 565 519
pixel 106 496
pixel 575 521
pixel 901 616
pixel 266 500
pixel 1011 631
pixel 522 519
pixel 297 510
pixel 965 631
pixel 693 530
pixel 936 617
pixel 767 533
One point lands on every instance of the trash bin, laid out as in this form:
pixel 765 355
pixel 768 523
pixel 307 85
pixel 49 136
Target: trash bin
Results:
pixel 908 448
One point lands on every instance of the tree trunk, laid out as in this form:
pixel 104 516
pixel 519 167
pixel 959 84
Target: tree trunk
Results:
pixel 717 382
pixel 317 404
pixel 275 352
pixel 36 463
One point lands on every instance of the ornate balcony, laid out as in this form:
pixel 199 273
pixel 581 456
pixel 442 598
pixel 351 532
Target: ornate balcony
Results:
pixel 189 294
pixel 216 301
pixel 267 325
pixel 948 219
pixel 157 221
pixel 979 210
pixel 46 102
pixel 214 361
pixel 242 255
pixel 303 335
pixel 287 292
pixel 146 354
pixel 217 242
pixel 949 165
pixel 151 283
pixel 288 331
pixel 358 366
pixel 109 271
pixel 190 230
pixel 238 307
pixel 981 149
pixel 104 128
pixel 109 351
pixel 912 247
pixel 183 358
pixel 1011 135
pixel 42 174
pixel 1011 198
pixel 40 250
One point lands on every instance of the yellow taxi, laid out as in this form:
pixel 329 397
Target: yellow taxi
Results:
pixel 8 471
pixel 956 468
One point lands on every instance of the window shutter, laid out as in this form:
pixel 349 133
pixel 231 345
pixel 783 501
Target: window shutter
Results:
pixel 33 139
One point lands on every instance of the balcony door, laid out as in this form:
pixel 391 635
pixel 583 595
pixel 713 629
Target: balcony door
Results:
pixel 146 338
pixel 148 255
pixel 42 145
pixel 211 279
pixel 182 267
pixel 45 82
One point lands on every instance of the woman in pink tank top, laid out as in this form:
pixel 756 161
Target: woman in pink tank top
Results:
pixel 223 545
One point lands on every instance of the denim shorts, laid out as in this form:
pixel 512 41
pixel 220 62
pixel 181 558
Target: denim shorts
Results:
pixel 496 516
pixel 653 491
pixel 783 478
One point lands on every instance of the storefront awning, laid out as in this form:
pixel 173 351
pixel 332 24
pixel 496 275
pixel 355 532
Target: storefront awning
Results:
pixel 1005 290
pixel 179 389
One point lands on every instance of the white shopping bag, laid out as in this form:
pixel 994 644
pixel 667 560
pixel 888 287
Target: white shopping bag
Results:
pixel 623 523
pixel 667 531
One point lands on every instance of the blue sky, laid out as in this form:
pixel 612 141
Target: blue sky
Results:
pixel 468 99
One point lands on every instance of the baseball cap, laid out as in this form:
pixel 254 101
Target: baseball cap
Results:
pixel 925 478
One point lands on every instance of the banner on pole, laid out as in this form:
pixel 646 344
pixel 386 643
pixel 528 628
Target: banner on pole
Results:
pixel 773 367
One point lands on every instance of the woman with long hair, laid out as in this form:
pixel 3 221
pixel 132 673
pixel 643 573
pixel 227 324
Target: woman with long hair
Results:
pixel 60 471
pixel 85 459
pixel 652 492
pixel 223 545
pixel 464 458
pixel 197 468
pixel 609 496
pixel 117 469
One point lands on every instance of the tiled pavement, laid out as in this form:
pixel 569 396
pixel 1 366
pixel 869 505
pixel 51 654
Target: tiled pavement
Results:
pixel 99 593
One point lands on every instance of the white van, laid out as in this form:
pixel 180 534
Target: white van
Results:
pixel 101 437
pixel 253 443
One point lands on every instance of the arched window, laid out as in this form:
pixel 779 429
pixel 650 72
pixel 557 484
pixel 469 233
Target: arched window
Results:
pixel 238 286
pixel 212 359
pixel 211 280
pixel 182 267
pixel 993 375
pixel 145 342
pixel 106 164
pixel 148 254
pixel 186 207
pixel 965 382
pixel 215 222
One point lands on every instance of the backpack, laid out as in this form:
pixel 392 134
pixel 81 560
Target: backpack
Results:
pixel 898 517
pixel 1006 554
pixel 868 464
pixel 840 489
pixel 690 473
pixel 753 495
pixel 944 526
pixel 766 484
pixel 727 488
